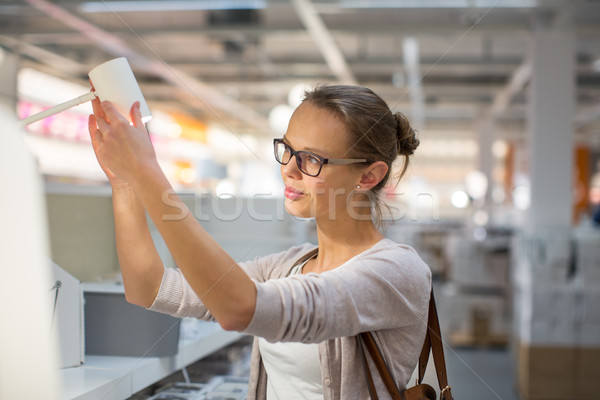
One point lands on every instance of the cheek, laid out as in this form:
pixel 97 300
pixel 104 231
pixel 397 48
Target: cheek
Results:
pixel 329 191
pixel 317 186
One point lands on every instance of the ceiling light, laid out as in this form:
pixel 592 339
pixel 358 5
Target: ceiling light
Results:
pixel 480 217
pixel 44 89
pixel 279 118
pixel 477 184
pixel 500 149
pixel 175 5
pixel 296 94
pixel 438 3
pixel 460 199
pixel 521 198
pixel 498 194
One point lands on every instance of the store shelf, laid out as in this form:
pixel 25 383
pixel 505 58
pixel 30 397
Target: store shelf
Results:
pixel 116 378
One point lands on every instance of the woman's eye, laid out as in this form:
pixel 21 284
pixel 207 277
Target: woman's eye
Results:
pixel 313 160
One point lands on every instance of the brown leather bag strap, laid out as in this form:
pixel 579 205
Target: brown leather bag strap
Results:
pixel 424 357
pixel 382 368
pixel 367 370
pixel 437 349
pixel 433 341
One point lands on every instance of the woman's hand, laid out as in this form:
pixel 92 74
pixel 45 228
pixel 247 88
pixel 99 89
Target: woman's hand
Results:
pixel 122 150
pixel 113 179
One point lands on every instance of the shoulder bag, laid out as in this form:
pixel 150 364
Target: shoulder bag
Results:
pixel 421 391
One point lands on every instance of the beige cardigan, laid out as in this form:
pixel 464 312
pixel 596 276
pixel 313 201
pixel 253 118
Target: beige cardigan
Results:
pixel 385 289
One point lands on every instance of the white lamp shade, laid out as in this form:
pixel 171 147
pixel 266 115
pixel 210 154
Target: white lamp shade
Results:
pixel 114 81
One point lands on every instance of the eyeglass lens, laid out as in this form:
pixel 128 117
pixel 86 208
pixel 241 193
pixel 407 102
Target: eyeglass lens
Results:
pixel 307 163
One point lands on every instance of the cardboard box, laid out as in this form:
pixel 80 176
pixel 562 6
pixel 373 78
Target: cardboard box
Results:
pixel 457 307
pixel 556 333
pixel 588 362
pixel 558 373
pixel 591 302
pixel 535 387
pixel 586 388
pixel 590 274
pixel 587 250
pixel 552 304
pixel 546 373
pixel 544 258
pixel 546 314
pixel 587 367
pixel 547 361
pixel 472 264
pixel 589 335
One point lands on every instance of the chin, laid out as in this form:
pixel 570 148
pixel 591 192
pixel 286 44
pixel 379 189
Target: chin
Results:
pixel 298 210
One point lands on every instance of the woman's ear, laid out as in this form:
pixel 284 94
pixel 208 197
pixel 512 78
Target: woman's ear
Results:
pixel 373 175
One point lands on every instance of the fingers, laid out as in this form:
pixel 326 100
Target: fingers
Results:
pixel 136 115
pixel 97 108
pixel 95 134
pixel 111 112
pixel 101 119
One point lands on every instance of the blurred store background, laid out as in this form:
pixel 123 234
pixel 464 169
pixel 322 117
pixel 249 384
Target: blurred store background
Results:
pixel 502 199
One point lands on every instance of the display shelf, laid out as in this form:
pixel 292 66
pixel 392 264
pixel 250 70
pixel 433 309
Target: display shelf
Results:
pixel 116 378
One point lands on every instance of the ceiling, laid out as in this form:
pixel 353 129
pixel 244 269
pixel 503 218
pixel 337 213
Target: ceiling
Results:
pixel 448 68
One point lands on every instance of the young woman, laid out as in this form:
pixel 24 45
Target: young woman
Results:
pixel 335 158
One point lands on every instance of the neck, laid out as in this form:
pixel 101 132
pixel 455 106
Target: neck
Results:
pixel 342 239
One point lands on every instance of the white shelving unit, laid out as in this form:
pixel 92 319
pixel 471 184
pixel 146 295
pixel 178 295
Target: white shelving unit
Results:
pixel 117 378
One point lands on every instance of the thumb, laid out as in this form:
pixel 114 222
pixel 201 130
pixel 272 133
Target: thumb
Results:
pixel 95 134
pixel 136 115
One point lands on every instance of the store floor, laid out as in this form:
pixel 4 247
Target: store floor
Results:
pixel 476 374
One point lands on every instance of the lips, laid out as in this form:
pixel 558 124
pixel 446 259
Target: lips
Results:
pixel 292 194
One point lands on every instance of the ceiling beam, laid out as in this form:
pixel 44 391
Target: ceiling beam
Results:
pixel 519 78
pixel 374 28
pixel 411 58
pixel 587 116
pixel 324 40
pixel 114 45
pixel 37 53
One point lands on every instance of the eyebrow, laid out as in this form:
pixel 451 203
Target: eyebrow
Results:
pixel 310 149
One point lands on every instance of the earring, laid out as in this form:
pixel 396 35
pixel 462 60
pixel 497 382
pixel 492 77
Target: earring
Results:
pixel 358 186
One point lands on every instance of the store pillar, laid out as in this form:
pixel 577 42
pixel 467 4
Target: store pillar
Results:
pixel 550 119
pixel 9 68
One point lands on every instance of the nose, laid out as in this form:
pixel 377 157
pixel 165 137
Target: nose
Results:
pixel 291 168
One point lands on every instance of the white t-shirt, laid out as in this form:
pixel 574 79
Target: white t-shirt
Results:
pixel 293 368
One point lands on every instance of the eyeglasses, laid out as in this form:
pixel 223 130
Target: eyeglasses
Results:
pixel 308 163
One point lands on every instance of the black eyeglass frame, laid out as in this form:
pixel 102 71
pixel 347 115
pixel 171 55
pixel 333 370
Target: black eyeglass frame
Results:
pixel 322 160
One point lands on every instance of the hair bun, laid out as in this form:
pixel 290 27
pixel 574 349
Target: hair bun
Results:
pixel 407 137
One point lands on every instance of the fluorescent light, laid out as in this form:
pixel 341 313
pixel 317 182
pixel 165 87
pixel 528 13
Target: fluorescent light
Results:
pixel 460 199
pixel 438 3
pixel 175 5
pixel 48 90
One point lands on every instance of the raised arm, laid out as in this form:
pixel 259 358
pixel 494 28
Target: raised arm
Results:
pixel 140 263
pixel 218 281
